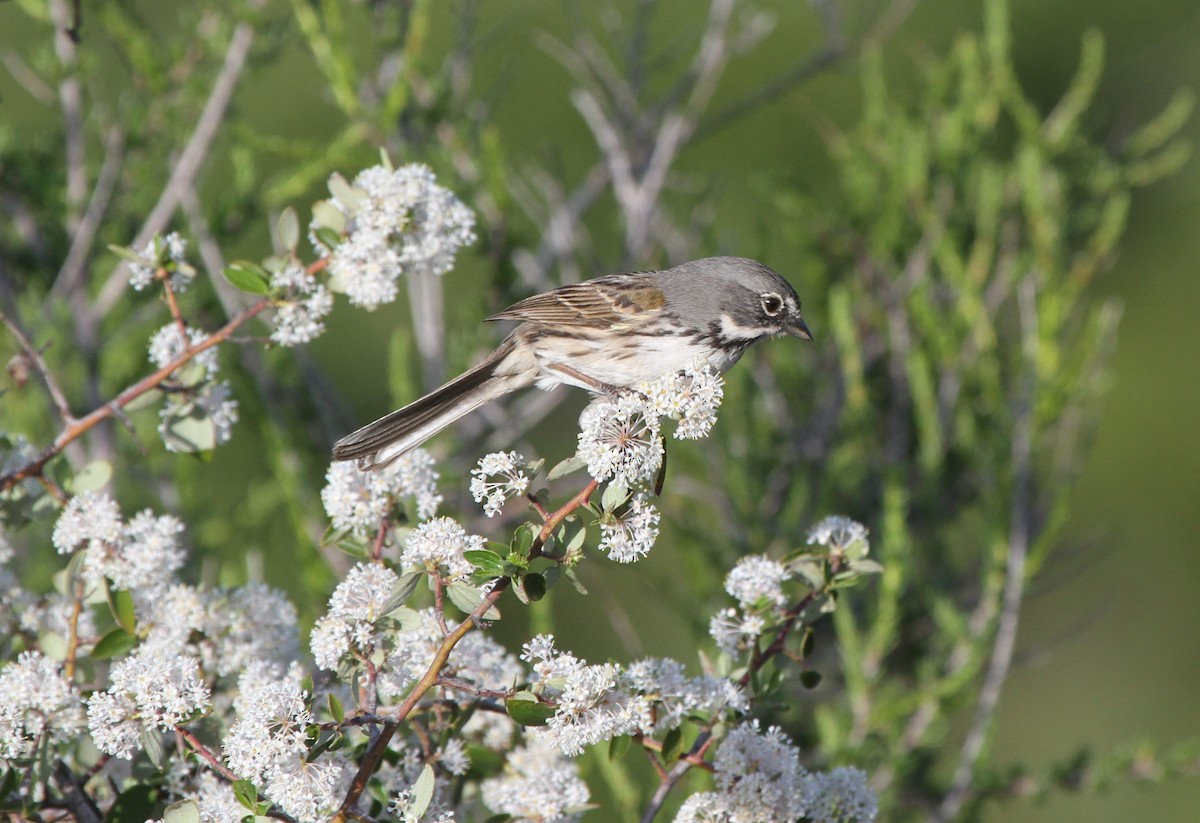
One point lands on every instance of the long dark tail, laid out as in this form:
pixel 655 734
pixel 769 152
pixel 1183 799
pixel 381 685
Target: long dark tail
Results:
pixel 377 444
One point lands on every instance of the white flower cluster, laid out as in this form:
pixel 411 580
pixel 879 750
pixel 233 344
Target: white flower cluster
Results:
pixel 141 555
pixel 268 744
pixel 206 400
pixel 538 785
pixel 759 778
pixel 620 439
pixel 756 582
pixel 403 222
pixel 437 546
pixel 355 500
pixel 629 535
pixel 224 629
pixel 497 477
pixel 839 534
pixel 36 700
pixel 300 313
pixel 756 578
pixel 148 692
pixel 168 251
pixel 354 623
pixel 691 396
pixel 600 702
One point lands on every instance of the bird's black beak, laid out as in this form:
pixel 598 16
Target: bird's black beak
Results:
pixel 796 328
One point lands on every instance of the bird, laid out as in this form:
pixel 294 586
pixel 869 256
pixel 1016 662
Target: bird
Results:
pixel 604 335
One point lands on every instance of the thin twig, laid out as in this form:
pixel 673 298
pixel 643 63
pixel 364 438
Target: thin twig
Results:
pixel 1019 539
pixel 34 356
pixel 71 273
pixel 78 428
pixel 188 165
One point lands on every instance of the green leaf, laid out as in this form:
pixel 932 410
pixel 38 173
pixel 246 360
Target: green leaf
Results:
pixel 115 643
pixel 120 602
pixel 485 560
pixel 335 709
pixel 152 743
pixel 329 237
pixel 569 466
pixel 248 277
pixel 188 428
pixel 407 619
pixel 138 802
pixel 246 793
pixel 144 401
pixel 468 598
pixel 672 745
pixel 422 793
pixel 185 811
pixel 810 679
pixel 328 217
pixel 126 253
pixel 527 712
pixel 403 590
pixel 534 585
pixel 618 746
pixel 90 478
pixel 289 229
pixel 615 495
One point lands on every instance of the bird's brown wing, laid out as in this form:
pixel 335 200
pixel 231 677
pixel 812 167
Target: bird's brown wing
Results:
pixel 611 301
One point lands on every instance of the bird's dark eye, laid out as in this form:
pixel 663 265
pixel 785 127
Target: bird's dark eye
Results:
pixel 772 303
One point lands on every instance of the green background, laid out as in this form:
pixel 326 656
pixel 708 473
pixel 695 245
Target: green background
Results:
pixel 1109 648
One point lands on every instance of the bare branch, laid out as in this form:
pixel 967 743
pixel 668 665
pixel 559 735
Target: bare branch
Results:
pixel 193 156
pixel 71 274
pixel 1020 536
pixel 34 356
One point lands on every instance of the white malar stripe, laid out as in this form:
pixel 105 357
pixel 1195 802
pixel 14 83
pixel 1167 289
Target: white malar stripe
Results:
pixel 730 330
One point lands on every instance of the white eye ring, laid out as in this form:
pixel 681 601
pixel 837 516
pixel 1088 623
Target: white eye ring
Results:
pixel 772 304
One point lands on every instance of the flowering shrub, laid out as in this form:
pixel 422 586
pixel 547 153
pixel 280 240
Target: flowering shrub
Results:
pixel 409 697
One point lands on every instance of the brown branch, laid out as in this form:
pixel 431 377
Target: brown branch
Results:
pixel 77 428
pixel 432 673
pixel 34 355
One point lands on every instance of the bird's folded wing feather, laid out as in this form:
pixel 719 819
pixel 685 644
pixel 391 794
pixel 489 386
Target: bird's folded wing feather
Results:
pixel 605 301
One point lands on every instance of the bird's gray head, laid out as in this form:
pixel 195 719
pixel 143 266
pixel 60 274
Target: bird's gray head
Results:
pixel 740 300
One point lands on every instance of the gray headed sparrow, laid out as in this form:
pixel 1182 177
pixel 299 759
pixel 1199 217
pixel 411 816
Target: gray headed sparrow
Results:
pixel 603 335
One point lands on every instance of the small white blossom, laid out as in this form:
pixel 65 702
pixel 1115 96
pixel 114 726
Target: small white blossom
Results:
pixel 759 778
pixel 254 623
pixel 148 556
pixel 404 223
pixel 355 500
pixel 36 699
pixel 89 518
pixel 620 439
pixel 268 745
pixel 148 692
pixel 735 632
pixel 630 536
pixel 839 533
pixel 841 795
pixel 453 757
pixel 755 578
pixel 439 544
pixel 497 478
pixel 167 344
pixel 170 251
pixel 299 315
pixel 691 396
pixel 354 611
pixel 538 785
